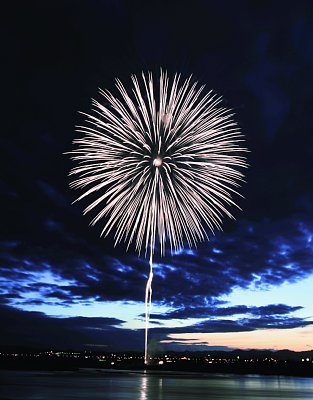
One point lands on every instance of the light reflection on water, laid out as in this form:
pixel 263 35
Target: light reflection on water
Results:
pixel 144 388
pixel 92 384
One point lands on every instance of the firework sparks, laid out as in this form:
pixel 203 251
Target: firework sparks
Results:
pixel 163 161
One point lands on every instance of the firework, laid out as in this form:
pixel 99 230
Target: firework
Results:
pixel 161 163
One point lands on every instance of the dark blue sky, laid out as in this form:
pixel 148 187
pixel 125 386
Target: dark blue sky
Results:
pixel 60 285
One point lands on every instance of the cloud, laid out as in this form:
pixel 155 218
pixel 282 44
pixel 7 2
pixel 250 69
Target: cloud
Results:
pixel 238 325
pixel 205 312
pixel 250 324
pixel 260 255
pixel 56 197
pixel 35 329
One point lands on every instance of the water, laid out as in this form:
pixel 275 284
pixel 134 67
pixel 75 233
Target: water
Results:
pixel 18 385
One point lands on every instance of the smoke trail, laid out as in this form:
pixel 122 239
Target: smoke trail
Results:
pixel 148 304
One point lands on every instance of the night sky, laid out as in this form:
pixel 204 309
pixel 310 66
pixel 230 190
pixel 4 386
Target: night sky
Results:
pixel 250 286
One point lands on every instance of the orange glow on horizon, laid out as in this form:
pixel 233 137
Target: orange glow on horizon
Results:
pixel 296 339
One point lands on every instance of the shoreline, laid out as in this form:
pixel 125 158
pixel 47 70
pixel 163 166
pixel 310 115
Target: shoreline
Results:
pixel 98 371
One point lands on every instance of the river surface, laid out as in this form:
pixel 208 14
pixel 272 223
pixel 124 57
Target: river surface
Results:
pixel 124 385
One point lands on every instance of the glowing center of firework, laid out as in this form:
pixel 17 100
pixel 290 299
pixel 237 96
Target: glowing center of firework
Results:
pixel 157 162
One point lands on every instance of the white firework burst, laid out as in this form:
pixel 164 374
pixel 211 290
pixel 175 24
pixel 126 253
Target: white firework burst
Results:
pixel 163 161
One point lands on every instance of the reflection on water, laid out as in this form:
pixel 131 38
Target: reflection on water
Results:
pixel 151 387
pixel 103 385
pixel 224 387
pixel 144 388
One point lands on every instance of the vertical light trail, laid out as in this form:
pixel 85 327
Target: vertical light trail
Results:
pixel 148 305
